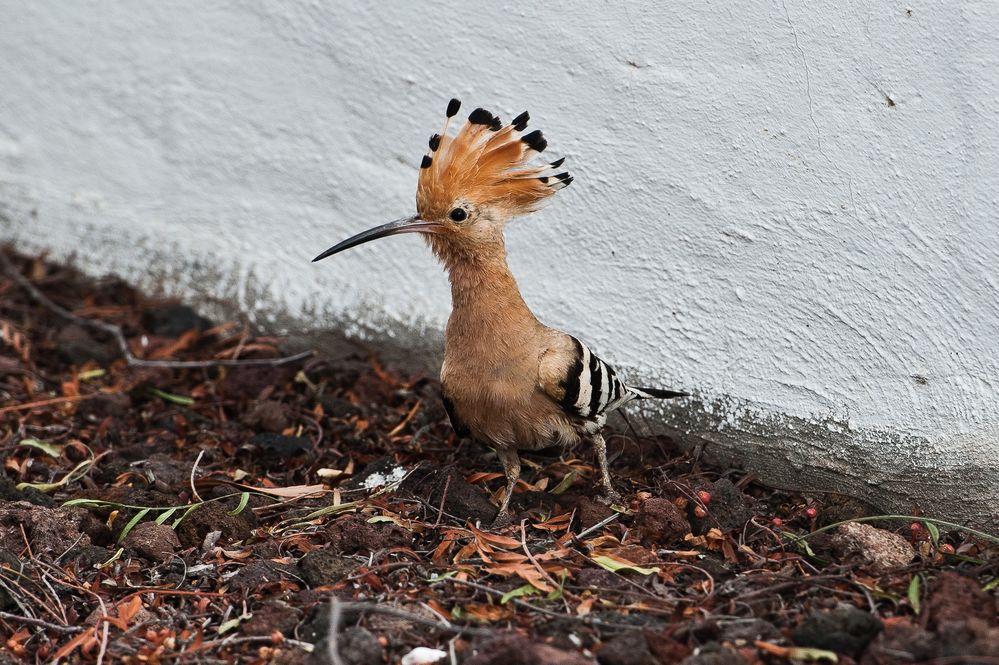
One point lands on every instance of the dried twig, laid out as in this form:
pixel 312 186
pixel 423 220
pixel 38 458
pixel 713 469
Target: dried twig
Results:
pixel 119 336
pixel 599 525
pixel 537 565
pixel 440 509
pixel 333 632
pixel 46 402
pixel 252 639
pixel 38 622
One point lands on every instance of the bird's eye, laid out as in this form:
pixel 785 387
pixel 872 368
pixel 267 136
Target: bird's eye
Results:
pixel 458 215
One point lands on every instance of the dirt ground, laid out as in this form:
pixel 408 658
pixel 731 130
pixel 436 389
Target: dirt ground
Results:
pixel 278 511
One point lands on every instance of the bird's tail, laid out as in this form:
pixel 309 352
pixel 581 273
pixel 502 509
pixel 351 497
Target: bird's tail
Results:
pixel 656 393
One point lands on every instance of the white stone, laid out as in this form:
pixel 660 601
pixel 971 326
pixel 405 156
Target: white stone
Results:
pixel 423 656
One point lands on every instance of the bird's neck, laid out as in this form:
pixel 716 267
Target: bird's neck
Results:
pixel 486 302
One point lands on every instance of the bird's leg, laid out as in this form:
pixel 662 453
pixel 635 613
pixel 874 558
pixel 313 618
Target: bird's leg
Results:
pixel 610 494
pixel 511 467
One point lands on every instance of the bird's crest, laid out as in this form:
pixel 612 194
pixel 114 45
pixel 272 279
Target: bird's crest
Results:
pixel 486 163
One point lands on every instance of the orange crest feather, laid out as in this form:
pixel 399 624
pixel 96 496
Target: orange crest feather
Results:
pixel 485 163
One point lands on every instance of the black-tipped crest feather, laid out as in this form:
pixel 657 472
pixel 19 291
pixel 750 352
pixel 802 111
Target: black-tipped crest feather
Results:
pixel 535 140
pixel 480 116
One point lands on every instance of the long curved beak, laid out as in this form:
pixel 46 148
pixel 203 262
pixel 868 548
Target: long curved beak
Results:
pixel 406 225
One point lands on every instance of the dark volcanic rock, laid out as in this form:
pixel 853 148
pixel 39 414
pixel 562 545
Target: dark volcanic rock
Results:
pixel 660 522
pixel 353 533
pixel 50 531
pixel 337 407
pixel 626 649
pixel 513 649
pixel 101 406
pixel 271 616
pixel 173 320
pixel 957 642
pixel 720 657
pixel 215 517
pixel 461 499
pixel 76 346
pixel 164 471
pixel 152 541
pixel 253 576
pixel 590 512
pixel 282 446
pixel 749 630
pixel 269 415
pixel 846 630
pixel 86 557
pixel 356 646
pixel 955 598
pixel 11 565
pixel 729 509
pixel 665 648
pixel 9 492
pixel 323 567
pixel 249 381
pixel 599 578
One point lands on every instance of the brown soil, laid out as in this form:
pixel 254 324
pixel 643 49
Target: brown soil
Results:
pixel 270 513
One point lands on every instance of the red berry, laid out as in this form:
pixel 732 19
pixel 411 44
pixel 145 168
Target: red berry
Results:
pixel 700 512
pixel 811 512
pixel 777 522
pixel 704 496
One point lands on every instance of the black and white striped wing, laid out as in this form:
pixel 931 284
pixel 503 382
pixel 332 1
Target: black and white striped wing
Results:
pixel 590 387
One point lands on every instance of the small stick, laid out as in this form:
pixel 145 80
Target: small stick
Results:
pixel 539 567
pixel 440 509
pixel 333 632
pixel 46 402
pixel 405 421
pixel 599 525
pixel 38 622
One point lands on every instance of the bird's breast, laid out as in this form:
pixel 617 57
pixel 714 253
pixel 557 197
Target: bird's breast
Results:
pixel 502 407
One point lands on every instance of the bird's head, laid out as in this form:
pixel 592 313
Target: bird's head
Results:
pixel 471 184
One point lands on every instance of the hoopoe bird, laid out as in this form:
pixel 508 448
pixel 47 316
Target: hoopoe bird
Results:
pixel 507 379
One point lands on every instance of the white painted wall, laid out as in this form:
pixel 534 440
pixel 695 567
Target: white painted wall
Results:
pixel 788 206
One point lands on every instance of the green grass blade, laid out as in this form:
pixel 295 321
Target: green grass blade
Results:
pixel 934 532
pixel 170 397
pixel 165 515
pixel 190 509
pixel 913 593
pixel 50 449
pixel 131 523
pixel 244 499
